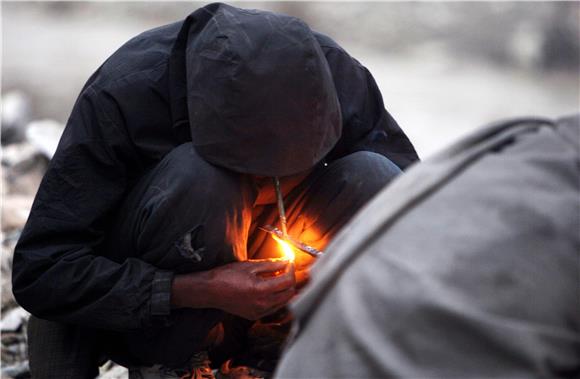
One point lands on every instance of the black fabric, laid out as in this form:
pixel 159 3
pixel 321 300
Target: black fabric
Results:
pixel 130 114
pixel 174 224
pixel 265 103
pixel 170 223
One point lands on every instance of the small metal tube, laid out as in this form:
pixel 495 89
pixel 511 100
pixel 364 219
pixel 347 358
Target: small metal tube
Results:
pixel 281 210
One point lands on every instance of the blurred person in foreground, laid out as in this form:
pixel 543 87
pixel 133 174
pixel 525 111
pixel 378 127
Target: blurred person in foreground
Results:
pixel 466 266
pixel 143 245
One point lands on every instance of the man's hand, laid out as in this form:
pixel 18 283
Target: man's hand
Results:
pixel 251 289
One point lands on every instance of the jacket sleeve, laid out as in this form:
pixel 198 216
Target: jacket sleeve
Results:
pixel 367 126
pixel 57 273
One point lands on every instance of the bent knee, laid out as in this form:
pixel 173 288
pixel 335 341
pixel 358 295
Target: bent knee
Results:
pixel 196 179
pixel 365 171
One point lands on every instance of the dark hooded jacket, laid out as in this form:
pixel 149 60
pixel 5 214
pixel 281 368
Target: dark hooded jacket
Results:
pixel 255 92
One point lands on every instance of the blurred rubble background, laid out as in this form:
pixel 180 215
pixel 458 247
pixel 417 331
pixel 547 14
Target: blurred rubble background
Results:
pixel 444 68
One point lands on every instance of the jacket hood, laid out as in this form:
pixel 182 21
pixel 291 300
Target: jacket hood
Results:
pixel 261 98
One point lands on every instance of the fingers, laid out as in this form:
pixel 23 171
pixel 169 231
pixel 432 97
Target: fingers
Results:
pixel 283 297
pixel 278 300
pixel 279 282
pixel 302 278
pixel 266 266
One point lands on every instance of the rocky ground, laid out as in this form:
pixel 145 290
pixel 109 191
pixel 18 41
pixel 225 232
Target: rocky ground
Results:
pixel 26 149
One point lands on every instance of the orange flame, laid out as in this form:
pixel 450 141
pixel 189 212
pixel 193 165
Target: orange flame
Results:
pixel 287 250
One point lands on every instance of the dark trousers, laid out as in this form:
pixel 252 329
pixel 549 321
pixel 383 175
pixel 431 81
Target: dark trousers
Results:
pixel 187 215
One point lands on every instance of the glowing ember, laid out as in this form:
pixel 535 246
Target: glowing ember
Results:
pixel 287 250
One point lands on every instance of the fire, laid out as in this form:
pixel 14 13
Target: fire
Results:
pixel 287 250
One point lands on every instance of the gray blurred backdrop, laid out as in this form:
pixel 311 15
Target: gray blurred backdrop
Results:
pixel 444 68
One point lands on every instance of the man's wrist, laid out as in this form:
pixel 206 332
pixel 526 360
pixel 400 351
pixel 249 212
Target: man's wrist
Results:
pixel 192 290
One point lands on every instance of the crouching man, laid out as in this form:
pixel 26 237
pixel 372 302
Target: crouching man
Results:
pixel 143 239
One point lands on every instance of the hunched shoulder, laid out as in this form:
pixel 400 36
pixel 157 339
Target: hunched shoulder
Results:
pixel 144 52
pixel 329 45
